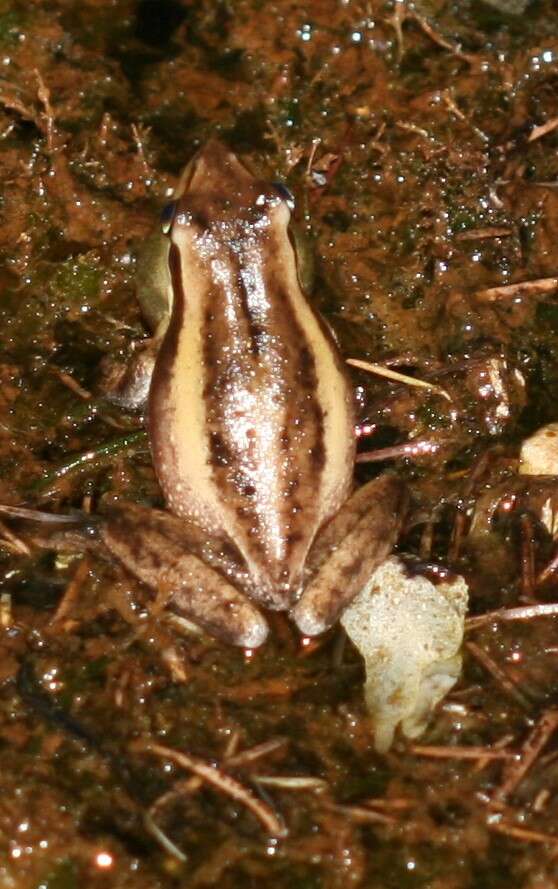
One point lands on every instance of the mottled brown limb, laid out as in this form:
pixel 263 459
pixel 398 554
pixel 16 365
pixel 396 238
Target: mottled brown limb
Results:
pixel 368 525
pixel 128 385
pixel 156 552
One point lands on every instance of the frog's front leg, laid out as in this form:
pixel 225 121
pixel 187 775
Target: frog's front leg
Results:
pixel 348 550
pixel 173 556
pixel 128 385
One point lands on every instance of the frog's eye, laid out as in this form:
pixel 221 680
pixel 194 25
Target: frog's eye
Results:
pixel 167 216
pixel 285 194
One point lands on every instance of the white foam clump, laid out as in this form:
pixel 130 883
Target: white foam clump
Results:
pixel 409 632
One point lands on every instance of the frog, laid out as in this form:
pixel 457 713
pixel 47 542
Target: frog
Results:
pixel 251 421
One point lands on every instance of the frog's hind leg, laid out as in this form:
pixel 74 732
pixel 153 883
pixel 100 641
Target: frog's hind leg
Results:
pixel 153 546
pixel 348 550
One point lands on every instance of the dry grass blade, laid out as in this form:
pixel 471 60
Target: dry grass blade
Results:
pixel 291 782
pixel 219 779
pixel 523 612
pixel 538 738
pixel 536 287
pixel 397 377
pixel 480 234
pixel 439 40
pixel 543 129
pixel 395 804
pixel 522 833
pixel 163 840
pixel 442 752
pixel 498 674
pixel 5 610
pixel 14 542
pixel 362 815
pixel 72 592
pixel 410 449
pixel 35 515
pixel 245 757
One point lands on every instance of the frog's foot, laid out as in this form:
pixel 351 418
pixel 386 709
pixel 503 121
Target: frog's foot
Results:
pixel 348 551
pixel 154 547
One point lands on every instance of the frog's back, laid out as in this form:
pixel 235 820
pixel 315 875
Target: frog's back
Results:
pixel 251 412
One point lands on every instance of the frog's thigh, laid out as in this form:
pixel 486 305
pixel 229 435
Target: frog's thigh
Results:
pixel 349 550
pixel 195 589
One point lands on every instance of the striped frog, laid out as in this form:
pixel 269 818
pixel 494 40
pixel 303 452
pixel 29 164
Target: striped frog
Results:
pixel 251 421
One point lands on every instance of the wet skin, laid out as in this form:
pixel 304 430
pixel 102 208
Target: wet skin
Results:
pixel 251 422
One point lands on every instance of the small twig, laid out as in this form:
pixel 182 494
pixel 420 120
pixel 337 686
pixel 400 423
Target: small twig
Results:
pixel 13 104
pixel 527 557
pixel 246 757
pixel 437 38
pixel 219 779
pixel 499 675
pixel 543 129
pixel 397 377
pixel 291 782
pixel 412 128
pixel 72 591
pixel 522 833
pixel 140 134
pixel 396 804
pixel 441 752
pixel 362 815
pixel 36 515
pixel 524 612
pixel 457 534
pixel 455 109
pixel 522 288
pixel 73 385
pixel 548 570
pixel 537 739
pixel 479 234
pixel 161 837
pixel 43 94
pixel 501 744
pixel 411 449
pixel 17 544
pixel 5 610
pixel 541 800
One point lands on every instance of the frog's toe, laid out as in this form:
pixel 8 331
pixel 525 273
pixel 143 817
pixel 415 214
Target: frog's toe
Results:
pixel 253 633
pixel 308 620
